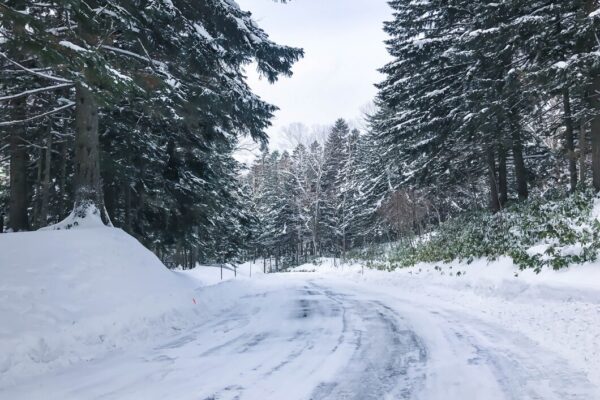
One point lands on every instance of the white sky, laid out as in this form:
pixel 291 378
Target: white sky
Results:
pixel 343 42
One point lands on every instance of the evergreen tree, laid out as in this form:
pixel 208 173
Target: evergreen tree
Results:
pixel 165 78
pixel 331 208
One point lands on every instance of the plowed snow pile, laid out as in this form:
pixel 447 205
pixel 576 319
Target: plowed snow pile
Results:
pixel 68 295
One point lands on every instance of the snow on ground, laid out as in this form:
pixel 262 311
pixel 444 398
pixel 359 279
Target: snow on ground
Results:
pixel 90 314
pixel 212 274
pixel 560 310
pixel 69 296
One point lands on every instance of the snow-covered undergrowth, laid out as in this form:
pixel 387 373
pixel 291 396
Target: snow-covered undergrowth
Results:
pixel 560 310
pixel 68 296
pixel 543 232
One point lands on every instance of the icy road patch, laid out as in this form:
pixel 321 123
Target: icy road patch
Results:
pixel 309 336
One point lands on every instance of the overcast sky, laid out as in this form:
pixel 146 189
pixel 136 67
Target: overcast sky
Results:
pixel 343 42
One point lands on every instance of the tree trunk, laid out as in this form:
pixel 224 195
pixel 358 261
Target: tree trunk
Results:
pixel 306 253
pixel 344 244
pixel 127 191
pixel 43 217
pixel 18 202
pixel 64 153
pixel 88 188
pixel 595 131
pixel 502 177
pixel 494 200
pixel 110 198
pixel 582 150
pixel 594 99
pixel 569 139
pixel 63 176
pixel 517 148
pixel 37 190
pixel 139 208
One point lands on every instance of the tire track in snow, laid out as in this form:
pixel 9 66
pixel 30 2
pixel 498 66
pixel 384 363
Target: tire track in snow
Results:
pixel 297 340
pixel 523 370
pixel 388 360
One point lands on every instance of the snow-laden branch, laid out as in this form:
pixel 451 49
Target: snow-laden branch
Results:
pixel 34 91
pixel 20 71
pixel 297 179
pixel 35 117
pixel 55 31
pixel 146 52
pixel 132 54
pixel 45 76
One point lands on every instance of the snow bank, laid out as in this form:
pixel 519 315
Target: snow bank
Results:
pixel 87 217
pixel 560 310
pixel 70 295
pixel 207 275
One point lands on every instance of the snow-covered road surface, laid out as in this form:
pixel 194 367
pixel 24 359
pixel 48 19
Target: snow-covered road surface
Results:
pixel 304 336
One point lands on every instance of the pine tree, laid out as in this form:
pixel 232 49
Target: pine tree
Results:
pixel 335 155
pixel 348 183
pixel 165 78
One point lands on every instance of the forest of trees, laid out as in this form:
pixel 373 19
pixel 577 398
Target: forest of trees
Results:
pixel 484 104
pixel 491 99
pixel 327 198
pixel 133 110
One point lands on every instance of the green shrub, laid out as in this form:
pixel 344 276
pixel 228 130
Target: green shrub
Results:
pixel 561 227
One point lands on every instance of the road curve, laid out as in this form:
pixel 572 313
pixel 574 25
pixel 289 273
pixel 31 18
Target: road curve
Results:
pixel 303 338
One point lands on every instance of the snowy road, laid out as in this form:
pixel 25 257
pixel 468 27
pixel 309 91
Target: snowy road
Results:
pixel 302 337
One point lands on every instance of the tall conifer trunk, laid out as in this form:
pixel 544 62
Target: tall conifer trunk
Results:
pixel 19 200
pixel 62 179
pixel 569 139
pixel 582 149
pixel 88 188
pixel 494 199
pixel 43 217
pixel 517 148
pixel 595 131
pixel 502 176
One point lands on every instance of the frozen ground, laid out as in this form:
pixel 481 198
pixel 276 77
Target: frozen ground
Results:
pixel 330 334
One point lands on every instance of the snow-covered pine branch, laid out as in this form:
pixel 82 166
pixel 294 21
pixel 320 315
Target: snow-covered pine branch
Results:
pixel 38 116
pixel 35 91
